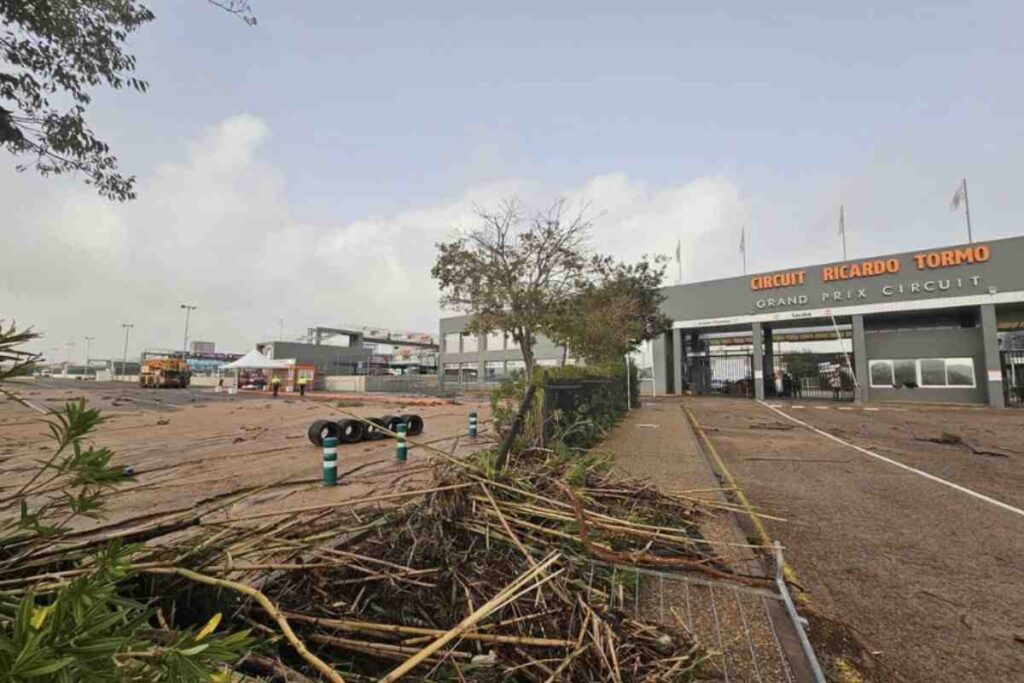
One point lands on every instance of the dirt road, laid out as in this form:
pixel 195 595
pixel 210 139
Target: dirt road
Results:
pixel 931 578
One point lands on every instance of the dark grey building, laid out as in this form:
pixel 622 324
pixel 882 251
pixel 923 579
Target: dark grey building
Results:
pixel 934 325
pixel 329 359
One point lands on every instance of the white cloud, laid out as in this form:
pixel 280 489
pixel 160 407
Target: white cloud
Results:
pixel 215 228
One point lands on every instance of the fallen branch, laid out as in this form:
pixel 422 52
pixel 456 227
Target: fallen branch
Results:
pixel 268 606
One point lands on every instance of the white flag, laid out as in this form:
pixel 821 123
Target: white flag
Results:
pixel 842 222
pixel 743 240
pixel 961 192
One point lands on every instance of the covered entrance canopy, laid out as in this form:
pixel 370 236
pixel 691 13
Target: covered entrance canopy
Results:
pixel 931 325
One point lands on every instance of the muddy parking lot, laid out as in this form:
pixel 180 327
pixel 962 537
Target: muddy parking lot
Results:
pixel 199 448
pixel 930 578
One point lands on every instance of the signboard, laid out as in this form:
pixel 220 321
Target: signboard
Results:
pixel 954 276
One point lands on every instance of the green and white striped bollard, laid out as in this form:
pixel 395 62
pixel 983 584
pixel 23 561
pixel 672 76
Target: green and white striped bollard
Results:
pixel 330 461
pixel 401 449
pixel 472 423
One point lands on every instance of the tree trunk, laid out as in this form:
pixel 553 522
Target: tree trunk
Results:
pixel 513 432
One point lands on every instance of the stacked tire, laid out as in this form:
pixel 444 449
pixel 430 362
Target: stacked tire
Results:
pixel 354 431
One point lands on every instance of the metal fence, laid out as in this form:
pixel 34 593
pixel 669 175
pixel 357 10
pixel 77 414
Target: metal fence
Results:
pixel 569 402
pixel 403 384
pixel 721 375
pixel 1013 377
pixel 810 376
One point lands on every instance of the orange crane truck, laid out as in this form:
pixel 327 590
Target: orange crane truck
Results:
pixel 159 373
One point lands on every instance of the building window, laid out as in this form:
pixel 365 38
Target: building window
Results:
pixel 496 341
pixel 469 372
pixel 494 370
pixel 933 372
pixel 881 373
pixel 906 373
pixel 925 372
pixel 451 342
pixel 510 343
pixel 515 367
pixel 960 372
pixel 547 363
pixel 470 343
pixel 451 371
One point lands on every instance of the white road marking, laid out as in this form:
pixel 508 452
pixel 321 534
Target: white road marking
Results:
pixel 926 475
pixel 648 426
pixel 821 407
pixel 845 408
pixel 797 407
pixel 873 409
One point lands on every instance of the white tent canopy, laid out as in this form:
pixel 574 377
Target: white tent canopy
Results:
pixel 254 360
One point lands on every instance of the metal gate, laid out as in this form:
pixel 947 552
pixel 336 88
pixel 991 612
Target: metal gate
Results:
pixel 721 375
pixel 810 376
pixel 1013 377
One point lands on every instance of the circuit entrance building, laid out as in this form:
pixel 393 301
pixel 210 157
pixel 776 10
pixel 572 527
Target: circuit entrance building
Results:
pixel 936 325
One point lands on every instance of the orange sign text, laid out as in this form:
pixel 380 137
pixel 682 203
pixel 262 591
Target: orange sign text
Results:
pixel 790 279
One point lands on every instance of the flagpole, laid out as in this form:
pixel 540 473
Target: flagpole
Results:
pixel 842 229
pixel 743 240
pixel 967 212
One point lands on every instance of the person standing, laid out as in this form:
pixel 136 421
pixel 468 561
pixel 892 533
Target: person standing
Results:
pixel 275 384
pixel 302 385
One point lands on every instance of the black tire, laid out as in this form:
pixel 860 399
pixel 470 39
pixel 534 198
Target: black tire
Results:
pixel 320 430
pixel 394 421
pixel 414 422
pixel 375 430
pixel 350 431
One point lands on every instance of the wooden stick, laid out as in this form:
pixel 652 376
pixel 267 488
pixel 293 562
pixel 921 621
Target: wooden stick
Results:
pixel 363 626
pixel 481 613
pixel 347 503
pixel 267 605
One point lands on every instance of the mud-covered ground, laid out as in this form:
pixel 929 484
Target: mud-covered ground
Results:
pixel 196 447
pixel 927 578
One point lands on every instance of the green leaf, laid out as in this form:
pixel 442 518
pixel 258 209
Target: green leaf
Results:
pixel 48 668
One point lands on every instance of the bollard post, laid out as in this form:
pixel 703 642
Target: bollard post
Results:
pixel 472 423
pixel 330 461
pixel 401 449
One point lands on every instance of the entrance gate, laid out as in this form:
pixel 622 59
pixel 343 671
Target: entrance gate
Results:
pixel 1013 377
pixel 721 375
pixel 810 375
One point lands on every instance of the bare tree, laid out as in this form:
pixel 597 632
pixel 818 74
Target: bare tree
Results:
pixel 511 273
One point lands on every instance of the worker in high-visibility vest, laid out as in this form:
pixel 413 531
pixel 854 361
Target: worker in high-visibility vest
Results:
pixel 275 384
pixel 302 385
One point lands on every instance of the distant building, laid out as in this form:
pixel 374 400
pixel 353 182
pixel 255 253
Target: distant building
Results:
pixel 198 348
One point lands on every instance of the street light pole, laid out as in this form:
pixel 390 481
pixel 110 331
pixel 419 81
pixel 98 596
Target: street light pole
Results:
pixel 188 311
pixel 88 345
pixel 124 359
pixel 67 363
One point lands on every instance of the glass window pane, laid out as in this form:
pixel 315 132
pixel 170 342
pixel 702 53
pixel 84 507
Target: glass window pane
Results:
pixel 881 373
pixel 933 372
pixel 451 371
pixel 494 370
pixel 496 341
pixel 515 367
pixel 451 342
pixel 547 363
pixel 511 344
pixel 905 373
pixel 960 372
pixel 470 343
pixel 469 372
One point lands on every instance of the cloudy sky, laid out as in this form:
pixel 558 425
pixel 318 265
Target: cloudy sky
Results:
pixel 303 170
